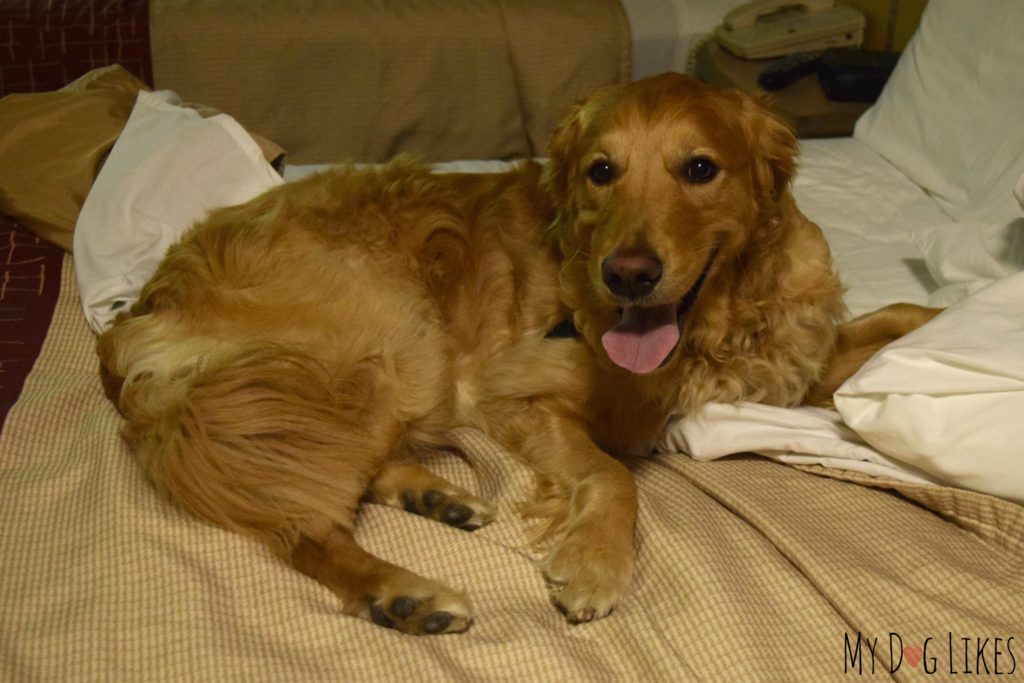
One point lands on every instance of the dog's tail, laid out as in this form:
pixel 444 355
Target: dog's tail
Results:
pixel 251 437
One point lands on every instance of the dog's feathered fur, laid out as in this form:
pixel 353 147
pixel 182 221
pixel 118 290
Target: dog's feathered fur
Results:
pixel 296 353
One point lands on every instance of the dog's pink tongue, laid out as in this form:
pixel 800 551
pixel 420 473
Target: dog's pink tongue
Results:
pixel 643 338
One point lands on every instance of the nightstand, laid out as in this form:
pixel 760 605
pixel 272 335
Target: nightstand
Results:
pixel 803 104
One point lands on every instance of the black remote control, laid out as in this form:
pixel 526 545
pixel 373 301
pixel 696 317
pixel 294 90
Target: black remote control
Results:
pixel 788 70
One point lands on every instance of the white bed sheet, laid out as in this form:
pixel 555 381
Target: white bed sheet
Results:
pixel 869 212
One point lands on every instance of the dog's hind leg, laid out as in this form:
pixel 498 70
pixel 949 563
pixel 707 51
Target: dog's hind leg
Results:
pixel 267 442
pixel 374 589
pixel 416 489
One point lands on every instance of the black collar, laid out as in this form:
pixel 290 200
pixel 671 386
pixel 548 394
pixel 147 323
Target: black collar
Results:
pixel 563 330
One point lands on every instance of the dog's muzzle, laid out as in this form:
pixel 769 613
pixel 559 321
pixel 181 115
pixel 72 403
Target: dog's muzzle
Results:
pixel 646 336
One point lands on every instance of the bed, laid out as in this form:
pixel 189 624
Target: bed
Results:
pixel 883 539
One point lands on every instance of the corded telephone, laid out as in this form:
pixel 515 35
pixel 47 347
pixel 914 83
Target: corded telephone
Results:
pixel 772 28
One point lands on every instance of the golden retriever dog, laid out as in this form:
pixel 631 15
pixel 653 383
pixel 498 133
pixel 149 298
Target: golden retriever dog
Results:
pixel 292 356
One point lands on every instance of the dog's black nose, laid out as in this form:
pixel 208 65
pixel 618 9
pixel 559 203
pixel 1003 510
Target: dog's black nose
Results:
pixel 631 275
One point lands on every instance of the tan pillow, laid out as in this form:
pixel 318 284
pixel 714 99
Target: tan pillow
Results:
pixel 53 144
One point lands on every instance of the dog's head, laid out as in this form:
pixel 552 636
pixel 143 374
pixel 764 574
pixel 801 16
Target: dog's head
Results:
pixel 661 187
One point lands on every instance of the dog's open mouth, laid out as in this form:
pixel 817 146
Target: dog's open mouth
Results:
pixel 646 336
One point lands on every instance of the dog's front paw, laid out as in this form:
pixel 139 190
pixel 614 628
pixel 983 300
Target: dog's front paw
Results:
pixel 587 575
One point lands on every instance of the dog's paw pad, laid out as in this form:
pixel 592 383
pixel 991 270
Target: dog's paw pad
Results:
pixel 380 617
pixel 456 514
pixel 404 606
pixel 433 498
pixel 443 612
pixel 437 622
pixel 453 508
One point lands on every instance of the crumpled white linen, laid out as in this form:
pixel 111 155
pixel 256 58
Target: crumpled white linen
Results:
pixel 168 168
pixel 948 398
pixel 795 436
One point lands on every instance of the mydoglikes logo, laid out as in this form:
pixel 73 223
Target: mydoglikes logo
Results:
pixel 951 654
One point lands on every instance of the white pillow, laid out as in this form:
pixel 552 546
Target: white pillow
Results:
pixel 950 115
pixel 168 168
pixel 948 398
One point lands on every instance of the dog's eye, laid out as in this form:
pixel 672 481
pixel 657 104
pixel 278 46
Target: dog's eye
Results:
pixel 700 170
pixel 601 172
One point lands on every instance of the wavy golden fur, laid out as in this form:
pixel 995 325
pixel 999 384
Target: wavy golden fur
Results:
pixel 295 354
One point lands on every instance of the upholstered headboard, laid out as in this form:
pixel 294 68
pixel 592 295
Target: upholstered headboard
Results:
pixel 343 81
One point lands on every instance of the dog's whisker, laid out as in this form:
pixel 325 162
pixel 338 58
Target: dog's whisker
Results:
pixel 567 262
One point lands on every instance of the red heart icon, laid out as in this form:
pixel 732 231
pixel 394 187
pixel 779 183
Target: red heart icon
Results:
pixel 913 655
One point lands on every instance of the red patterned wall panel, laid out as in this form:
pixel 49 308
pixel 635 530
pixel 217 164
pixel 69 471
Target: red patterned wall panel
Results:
pixel 30 278
pixel 45 44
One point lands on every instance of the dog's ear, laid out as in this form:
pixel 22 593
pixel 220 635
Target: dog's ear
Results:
pixel 557 175
pixel 774 147
pixel 564 148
